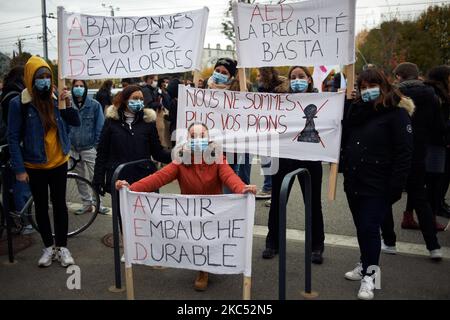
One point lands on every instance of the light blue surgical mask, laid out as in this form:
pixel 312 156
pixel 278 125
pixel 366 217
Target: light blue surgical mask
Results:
pixel 78 91
pixel 370 94
pixel 299 85
pixel 135 105
pixel 43 84
pixel 199 144
pixel 219 78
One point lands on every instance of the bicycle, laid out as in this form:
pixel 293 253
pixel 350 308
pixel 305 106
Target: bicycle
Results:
pixel 77 222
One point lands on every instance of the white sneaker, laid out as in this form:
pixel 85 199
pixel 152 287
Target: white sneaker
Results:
pixel 122 259
pixel 366 290
pixel 28 229
pixel 47 257
pixel 64 257
pixel 436 254
pixel 355 274
pixel 388 249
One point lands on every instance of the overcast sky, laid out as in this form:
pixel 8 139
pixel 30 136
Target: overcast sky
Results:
pixel 368 15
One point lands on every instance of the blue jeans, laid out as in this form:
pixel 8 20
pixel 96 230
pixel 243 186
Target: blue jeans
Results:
pixel 242 168
pixel 266 163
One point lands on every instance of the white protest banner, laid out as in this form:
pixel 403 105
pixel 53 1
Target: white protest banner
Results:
pixel 212 233
pixel 311 33
pixel 304 126
pixel 96 47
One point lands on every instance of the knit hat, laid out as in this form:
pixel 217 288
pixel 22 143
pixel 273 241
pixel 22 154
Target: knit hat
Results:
pixel 229 64
pixel 34 65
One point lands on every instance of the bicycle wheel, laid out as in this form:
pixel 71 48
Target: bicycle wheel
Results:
pixel 82 205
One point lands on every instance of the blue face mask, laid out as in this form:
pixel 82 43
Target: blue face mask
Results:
pixel 370 94
pixel 299 85
pixel 78 91
pixel 219 78
pixel 43 84
pixel 135 105
pixel 199 144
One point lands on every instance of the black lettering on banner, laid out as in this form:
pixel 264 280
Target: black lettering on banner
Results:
pixel 91 24
pixel 224 263
pixel 90 66
pixel 338 25
pixel 198 251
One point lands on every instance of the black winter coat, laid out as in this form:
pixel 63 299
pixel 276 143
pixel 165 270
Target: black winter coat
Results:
pixel 151 97
pixel 119 144
pixel 376 151
pixel 104 97
pixel 427 121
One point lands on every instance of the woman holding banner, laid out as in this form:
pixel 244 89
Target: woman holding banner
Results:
pixel 376 153
pixel 195 177
pixel 38 138
pixel 300 81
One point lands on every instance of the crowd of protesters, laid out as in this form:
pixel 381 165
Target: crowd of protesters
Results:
pixel 395 139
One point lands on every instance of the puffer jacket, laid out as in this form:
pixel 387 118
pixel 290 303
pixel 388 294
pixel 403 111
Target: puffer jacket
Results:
pixel 377 147
pixel 119 143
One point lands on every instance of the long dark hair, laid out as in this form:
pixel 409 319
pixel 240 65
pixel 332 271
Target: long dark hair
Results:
pixel 308 74
pixel 14 77
pixel 124 95
pixel 106 85
pixel 269 78
pixel 438 78
pixel 391 95
pixel 45 105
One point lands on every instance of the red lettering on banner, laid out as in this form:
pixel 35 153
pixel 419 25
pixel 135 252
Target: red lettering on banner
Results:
pixel 76 25
pixel 70 47
pixel 136 228
pixel 138 204
pixel 143 250
pixel 72 67
pixel 254 14
pixel 266 10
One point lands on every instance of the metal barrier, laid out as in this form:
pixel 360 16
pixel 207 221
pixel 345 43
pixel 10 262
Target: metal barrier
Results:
pixel 284 191
pixel 116 219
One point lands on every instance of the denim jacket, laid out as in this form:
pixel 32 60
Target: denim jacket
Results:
pixel 31 132
pixel 87 135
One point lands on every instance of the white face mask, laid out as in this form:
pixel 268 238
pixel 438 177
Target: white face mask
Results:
pixel 154 84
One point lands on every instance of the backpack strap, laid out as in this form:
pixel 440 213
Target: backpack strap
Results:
pixel 10 94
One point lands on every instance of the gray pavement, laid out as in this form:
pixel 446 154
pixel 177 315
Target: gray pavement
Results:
pixel 408 275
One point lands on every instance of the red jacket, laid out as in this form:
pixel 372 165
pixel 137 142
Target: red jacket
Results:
pixel 193 179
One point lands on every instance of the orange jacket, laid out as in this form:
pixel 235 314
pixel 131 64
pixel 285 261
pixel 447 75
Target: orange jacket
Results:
pixel 193 179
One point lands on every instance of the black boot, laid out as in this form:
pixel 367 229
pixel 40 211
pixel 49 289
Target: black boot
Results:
pixel 317 257
pixel 269 253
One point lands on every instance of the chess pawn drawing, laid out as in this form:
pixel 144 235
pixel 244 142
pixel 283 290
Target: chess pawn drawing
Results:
pixel 309 133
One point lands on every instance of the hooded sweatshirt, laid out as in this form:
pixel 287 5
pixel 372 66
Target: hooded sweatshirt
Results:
pixel 53 150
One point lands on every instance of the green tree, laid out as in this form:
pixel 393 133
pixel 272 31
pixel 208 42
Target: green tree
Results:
pixel 435 22
pixel 424 41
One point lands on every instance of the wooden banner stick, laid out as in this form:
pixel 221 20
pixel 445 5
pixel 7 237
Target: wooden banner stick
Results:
pixel 332 181
pixel 196 78
pixel 242 80
pixel 129 282
pixel 61 81
pixel 349 71
pixel 247 288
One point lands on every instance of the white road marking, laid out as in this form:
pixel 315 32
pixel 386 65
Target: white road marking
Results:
pixel 352 242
